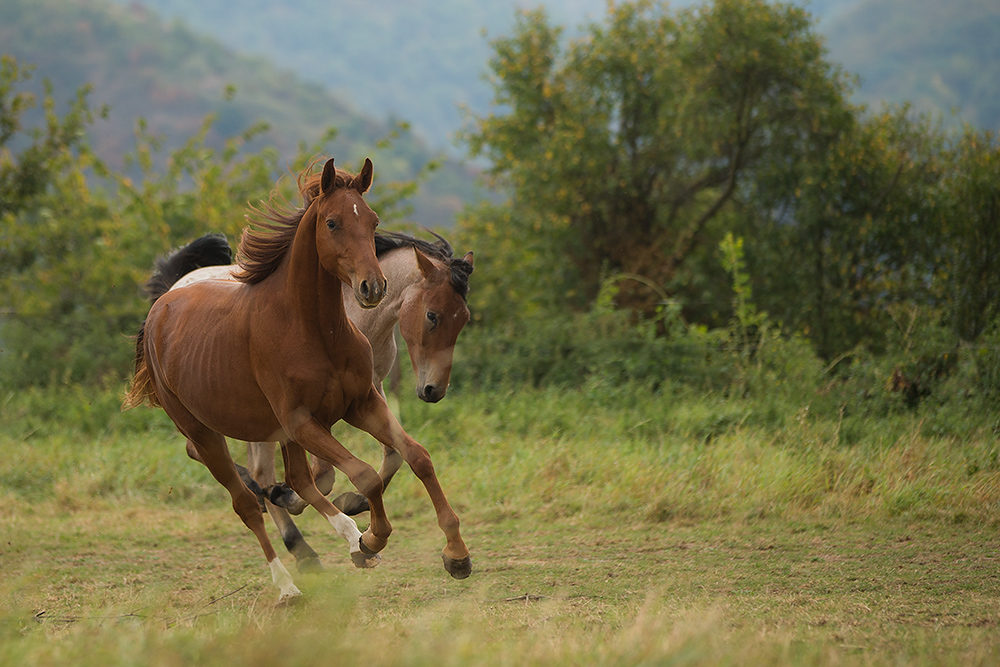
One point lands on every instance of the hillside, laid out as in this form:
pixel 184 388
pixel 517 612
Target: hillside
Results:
pixel 937 55
pixel 416 60
pixel 419 60
pixel 172 77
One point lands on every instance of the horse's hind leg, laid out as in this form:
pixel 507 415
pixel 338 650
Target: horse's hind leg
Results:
pixel 251 483
pixel 214 453
pixel 260 461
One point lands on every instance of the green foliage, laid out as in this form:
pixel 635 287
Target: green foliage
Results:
pixel 626 149
pixel 968 219
pixel 986 356
pixel 636 148
pixel 77 251
pixel 850 231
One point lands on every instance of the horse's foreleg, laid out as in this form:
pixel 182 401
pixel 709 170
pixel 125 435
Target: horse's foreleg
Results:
pixel 364 548
pixel 392 461
pixel 260 461
pixel 382 425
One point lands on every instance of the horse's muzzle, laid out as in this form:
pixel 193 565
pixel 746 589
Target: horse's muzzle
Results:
pixel 430 393
pixel 370 293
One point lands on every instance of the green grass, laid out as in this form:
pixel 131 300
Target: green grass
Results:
pixel 607 527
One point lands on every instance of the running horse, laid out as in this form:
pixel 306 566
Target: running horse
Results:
pixel 274 357
pixel 427 302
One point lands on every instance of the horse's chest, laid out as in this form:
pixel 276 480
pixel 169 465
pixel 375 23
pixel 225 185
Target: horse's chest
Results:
pixel 340 391
pixel 344 378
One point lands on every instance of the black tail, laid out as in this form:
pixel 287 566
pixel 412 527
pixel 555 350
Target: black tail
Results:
pixel 209 250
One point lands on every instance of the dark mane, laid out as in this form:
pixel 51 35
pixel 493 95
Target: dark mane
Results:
pixel 209 250
pixel 440 250
pixel 263 246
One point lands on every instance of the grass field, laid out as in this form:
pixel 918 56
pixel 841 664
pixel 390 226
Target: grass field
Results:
pixel 606 528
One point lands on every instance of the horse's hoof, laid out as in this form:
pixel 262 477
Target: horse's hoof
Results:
pixel 458 568
pixel 351 503
pixel 289 595
pixel 311 565
pixel 366 561
pixel 283 496
pixel 365 557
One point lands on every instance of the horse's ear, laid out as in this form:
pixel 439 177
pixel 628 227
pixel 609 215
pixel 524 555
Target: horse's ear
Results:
pixel 363 180
pixel 329 177
pixel 427 267
pixel 468 258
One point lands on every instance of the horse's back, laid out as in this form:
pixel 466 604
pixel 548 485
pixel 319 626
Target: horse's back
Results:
pixel 215 272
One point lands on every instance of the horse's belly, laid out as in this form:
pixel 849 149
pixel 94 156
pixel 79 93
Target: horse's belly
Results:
pixel 202 359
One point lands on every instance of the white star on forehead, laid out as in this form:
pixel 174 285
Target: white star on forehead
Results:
pixel 356 210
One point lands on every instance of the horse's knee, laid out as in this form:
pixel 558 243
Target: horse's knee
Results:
pixel 421 464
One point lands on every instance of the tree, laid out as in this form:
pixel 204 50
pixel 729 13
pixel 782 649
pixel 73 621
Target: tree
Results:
pixel 31 158
pixel 968 275
pixel 847 231
pixel 626 152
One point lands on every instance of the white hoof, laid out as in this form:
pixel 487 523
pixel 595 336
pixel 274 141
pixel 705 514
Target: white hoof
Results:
pixel 288 593
pixel 283 580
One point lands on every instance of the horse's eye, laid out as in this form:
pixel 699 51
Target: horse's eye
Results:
pixel 331 224
pixel 433 319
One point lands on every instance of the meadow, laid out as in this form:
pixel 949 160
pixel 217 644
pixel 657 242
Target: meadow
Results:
pixel 612 525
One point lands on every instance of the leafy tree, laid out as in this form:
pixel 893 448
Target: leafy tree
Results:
pixel 846 231
pixel 626 151
pixel 968 275
pixel 30 158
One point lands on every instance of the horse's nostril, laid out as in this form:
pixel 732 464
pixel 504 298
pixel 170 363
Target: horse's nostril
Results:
pixel 365 289
pixel 429 394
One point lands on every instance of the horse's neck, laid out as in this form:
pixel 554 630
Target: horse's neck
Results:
pixel 377 324
pixel 312 292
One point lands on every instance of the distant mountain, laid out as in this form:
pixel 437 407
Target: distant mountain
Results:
pixel 419 60
pixel 172 77
pixel 937 55
pixel 416 60
pixel 305 65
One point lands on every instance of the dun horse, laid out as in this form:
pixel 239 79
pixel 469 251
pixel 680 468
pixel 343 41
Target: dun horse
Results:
pixel 427 300
pixel 274 357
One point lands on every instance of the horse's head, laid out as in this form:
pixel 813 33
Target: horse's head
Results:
pixel 345 232
pixel 430 319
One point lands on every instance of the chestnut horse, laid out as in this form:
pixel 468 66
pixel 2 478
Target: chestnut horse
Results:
pixel 274 357
pixel 428 302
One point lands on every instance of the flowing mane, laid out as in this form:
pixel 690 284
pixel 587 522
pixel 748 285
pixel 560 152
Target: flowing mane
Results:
pixel 440 250
pixel 274 223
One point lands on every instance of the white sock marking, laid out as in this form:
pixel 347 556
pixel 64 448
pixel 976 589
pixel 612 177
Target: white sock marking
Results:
pixel 283 580
pixel 348 529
